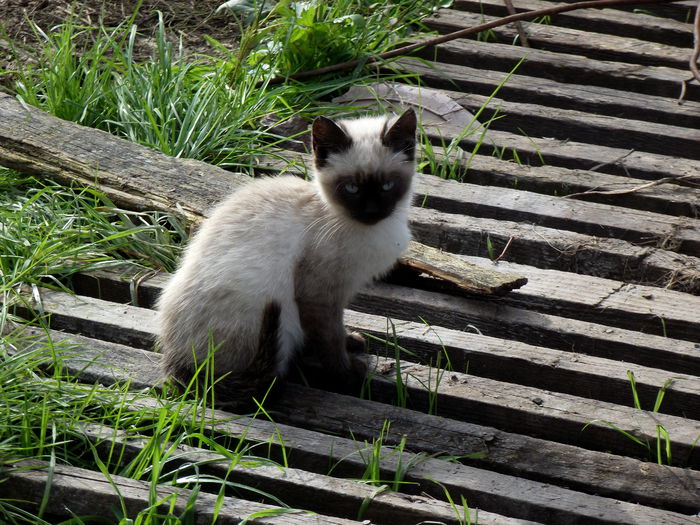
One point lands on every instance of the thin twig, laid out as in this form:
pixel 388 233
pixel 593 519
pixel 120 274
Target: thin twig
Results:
pixel 505 249
pixel 612 162
pixel 630 190
pixel 518 26
pixel 561 8
pixel 694 57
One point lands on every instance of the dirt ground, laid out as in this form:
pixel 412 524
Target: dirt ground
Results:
pixel 188 20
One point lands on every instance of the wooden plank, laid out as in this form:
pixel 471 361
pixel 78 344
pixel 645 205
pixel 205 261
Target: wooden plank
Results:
pixel 522 497
pixel 670 199
pixel 622 304
pixel 463 274
pixel 565 40
pixel 568 124
pixel 556 249
pixel 32 141
pixel 651 80
pixel 681 10
pixel 676 233
pixel 537 367
pixel 543 292
pixel 484 170
pixel 516 454
pixel 611 21
pixel 601 100
pixel 80 492
pixel 308 490
pixel 571 154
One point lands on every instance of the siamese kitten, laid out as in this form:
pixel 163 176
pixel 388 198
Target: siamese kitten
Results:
pixel 268 275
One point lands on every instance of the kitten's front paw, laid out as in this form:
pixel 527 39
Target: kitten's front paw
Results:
pixel 356 343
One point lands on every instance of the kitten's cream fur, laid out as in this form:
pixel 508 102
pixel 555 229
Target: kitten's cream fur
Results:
pixel 287 242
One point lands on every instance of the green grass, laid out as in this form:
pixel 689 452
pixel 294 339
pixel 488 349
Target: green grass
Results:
pixel 658 451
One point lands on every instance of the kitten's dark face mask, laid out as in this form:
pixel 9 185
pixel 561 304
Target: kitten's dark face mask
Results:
pixel 367 197
pixel 370 198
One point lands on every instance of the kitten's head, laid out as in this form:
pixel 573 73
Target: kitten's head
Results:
pixel 364 167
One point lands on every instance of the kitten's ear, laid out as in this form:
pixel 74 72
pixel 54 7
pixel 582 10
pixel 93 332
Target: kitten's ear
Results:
pixel 401 136
pixel 326 138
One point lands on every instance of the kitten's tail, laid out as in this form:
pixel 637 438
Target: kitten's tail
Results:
pixel 236 390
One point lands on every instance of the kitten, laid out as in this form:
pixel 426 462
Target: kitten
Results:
pixel 268 275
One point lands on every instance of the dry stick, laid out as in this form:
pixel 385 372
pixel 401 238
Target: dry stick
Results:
pixel 630 190
pixel 460 34
pixel 521 32
pixel 505 249
pixel 694 57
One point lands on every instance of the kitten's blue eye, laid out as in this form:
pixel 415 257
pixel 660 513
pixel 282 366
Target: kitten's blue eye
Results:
pixel 351 188
pixel 387 185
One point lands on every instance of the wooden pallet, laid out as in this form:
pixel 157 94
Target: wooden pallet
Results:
pixel 606 232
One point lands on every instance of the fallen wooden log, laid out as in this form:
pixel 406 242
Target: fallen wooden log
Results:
pixel 34 142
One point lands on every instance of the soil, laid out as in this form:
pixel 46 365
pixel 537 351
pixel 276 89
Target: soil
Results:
pixel 188 21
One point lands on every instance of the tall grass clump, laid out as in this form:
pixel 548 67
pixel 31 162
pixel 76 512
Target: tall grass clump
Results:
pixel 48 232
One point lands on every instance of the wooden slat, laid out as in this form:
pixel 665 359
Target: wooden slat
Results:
pixel 556 249
pixel 33 141
pixel 462 273
pixel 661 486
pixel 80 492
pixel 543 292
pixel 491 358
pixel 571 41
pixel 646 228
pixel 573 124
pixel 548 91
pixel 305 450
pixel 669 198
pixel 651 80
pixel 611 21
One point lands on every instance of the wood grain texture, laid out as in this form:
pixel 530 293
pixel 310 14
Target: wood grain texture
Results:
pixel 80 492
pixel 470 277
pixel 32 141
pixel 502 367
pixel 565 40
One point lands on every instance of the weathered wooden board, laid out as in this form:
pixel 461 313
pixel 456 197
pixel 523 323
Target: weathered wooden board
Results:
pixel 610 21
pixel 465 275
pixel 651 80
pixel 582 126
pixel 34 142
pixel 488 358
pixel 565 40
pixel 669 198
pixel 80 492
pixel 552 92
pixel 556 249
pixel 512 453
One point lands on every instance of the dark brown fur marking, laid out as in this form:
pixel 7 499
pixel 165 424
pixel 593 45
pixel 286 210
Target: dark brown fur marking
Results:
pixel 235 390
